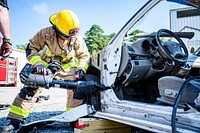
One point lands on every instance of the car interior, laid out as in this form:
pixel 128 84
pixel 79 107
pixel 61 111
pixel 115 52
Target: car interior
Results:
pixel 153 69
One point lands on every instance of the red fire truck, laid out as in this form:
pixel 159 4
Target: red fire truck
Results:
pixel 8 72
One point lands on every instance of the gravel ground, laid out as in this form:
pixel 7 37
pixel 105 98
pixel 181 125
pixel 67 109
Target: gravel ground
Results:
pixel 40 111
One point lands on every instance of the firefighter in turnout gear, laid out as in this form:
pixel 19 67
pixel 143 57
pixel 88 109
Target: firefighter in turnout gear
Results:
pixel 58 50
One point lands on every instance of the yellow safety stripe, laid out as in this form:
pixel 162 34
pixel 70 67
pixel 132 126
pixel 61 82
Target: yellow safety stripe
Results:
pixel 64 58
pixel 45 63
pixel 68 109
pixel 35 59
pixel 19 111
pixel 68 66
pixel 72 63
pixel 83 65
pixel 48 52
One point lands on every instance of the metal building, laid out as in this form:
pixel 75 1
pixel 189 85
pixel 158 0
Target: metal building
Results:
pixel 187 20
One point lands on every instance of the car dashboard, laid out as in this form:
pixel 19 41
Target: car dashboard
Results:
pixel 142 59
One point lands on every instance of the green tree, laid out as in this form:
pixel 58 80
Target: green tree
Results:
pixel 135 32
pixel 22 47
pixel 96 40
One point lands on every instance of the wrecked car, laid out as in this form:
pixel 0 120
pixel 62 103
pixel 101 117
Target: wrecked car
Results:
pixel 154 74
pixel 151 83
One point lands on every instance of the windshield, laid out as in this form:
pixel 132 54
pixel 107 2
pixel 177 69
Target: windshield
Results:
pixel 172 16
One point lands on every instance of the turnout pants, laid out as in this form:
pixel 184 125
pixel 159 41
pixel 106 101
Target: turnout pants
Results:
pixel 25 100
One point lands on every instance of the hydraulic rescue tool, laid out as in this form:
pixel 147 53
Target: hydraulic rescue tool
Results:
pixel 28 78
pixel 87 89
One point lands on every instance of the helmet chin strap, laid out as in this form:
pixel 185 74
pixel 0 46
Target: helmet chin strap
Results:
pixel 69 45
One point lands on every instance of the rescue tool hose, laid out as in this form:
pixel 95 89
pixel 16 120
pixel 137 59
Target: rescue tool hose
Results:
pixel 173 118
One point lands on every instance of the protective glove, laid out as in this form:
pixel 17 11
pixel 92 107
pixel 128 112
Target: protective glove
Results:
pixel 42 70
pixel 79 74
pixel 6 48
pixel 54 66
pixel 77 94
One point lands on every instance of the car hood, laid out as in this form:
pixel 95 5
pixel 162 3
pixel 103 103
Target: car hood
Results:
pixel 195 3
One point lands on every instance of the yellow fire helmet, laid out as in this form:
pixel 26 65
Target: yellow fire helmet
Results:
pixel 66 22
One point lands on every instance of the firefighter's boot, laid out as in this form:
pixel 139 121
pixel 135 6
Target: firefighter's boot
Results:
pixel 13 125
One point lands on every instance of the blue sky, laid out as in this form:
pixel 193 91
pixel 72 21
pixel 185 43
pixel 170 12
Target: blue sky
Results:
pixel 29 16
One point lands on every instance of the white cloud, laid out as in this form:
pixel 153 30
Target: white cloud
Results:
pixel 41 8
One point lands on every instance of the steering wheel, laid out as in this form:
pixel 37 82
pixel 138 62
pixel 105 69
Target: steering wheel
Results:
pixel 175 51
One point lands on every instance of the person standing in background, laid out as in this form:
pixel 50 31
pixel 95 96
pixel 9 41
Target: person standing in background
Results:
pixel 6 47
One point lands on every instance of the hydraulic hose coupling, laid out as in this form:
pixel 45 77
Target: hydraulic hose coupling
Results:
pixel 36 80
pixel 28 78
